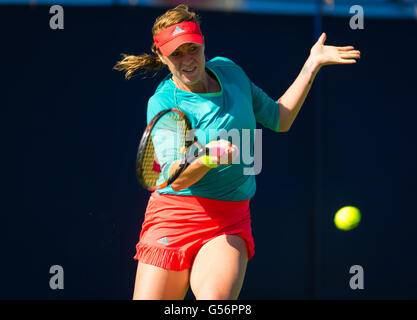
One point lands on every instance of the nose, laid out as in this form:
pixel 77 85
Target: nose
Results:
pixel 187 60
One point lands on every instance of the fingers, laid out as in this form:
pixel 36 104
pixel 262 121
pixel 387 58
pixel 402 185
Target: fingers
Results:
pixel 346 61
pixel 345 48
pixel 348 52
pixel 351 55
pixel 231 153
pixel 322 38
pixel 221 142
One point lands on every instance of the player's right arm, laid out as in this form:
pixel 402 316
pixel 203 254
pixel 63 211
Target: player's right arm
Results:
pixel 194 172
pixel 197 169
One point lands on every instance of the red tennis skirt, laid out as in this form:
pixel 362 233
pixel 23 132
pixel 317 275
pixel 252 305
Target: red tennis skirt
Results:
pixel 176 227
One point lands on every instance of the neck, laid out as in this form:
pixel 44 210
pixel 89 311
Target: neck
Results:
pixel 201 86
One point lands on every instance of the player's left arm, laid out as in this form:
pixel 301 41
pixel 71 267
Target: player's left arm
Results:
pixel 320 55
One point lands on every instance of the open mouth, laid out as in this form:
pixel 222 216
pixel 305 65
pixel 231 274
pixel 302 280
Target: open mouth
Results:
pixel 189 71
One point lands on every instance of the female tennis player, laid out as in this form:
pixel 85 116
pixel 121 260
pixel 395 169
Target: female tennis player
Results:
pixel 197 232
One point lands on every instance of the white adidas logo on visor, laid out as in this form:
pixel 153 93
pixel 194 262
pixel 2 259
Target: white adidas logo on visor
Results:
pixel 177 30
pixel 163 240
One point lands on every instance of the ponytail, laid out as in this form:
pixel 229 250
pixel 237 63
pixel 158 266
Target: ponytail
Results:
pixel 131 63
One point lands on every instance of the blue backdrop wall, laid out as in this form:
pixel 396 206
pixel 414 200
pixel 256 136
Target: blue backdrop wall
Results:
pixel 71 125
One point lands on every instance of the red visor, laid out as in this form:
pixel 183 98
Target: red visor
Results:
pixel 172 37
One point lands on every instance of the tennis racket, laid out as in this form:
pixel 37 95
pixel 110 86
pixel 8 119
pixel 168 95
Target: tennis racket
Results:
pixel 168 141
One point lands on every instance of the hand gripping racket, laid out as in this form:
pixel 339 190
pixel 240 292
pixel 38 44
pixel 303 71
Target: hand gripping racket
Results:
pixel 168 139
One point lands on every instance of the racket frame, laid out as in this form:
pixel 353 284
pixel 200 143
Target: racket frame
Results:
pixel 143 142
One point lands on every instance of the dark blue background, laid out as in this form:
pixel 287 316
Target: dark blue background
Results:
pixel 71 125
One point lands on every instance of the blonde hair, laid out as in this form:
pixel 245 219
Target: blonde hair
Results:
pixel 149 62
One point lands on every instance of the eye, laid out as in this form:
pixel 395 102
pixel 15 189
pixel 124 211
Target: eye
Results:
pixel 193 48
pixel 175 54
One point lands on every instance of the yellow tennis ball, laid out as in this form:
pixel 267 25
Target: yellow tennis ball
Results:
pixel 206 161
pixel 347 218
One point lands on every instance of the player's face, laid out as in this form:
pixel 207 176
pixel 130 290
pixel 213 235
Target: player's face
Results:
pixel 187 63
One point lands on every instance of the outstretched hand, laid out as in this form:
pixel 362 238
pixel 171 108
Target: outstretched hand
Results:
pixel 327 55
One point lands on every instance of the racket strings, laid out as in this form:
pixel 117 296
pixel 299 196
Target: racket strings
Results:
pixel 166 144
pixel 150 165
